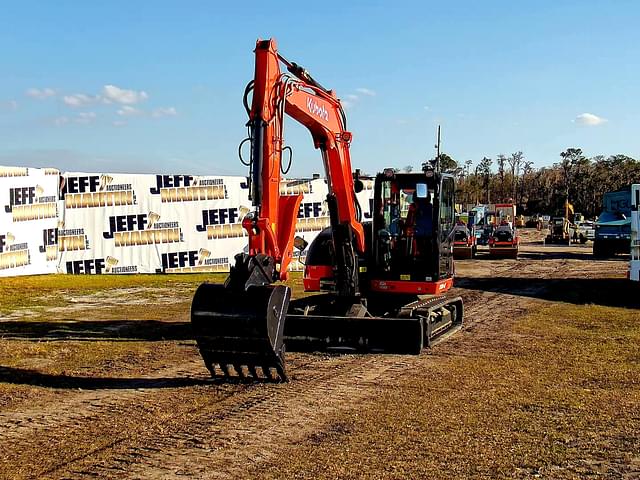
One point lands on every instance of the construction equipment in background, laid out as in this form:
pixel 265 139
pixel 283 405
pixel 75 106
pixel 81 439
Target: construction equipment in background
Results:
pixel 464 241
pixel 613 227
pixel 482 219
pixel 559 231
pixel 504 241
pixel 634 263
pixel 582 230
pixel 372 275
pixel 505 212
pixel 560 227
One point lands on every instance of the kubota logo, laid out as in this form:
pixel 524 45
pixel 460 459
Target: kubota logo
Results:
pixel 316 109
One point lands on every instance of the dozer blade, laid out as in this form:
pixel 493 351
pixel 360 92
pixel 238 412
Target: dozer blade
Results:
pixel 421 323
pixel 354 334
pixel 240 333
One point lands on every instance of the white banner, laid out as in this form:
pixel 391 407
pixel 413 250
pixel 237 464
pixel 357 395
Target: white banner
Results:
pixel 28 220
pixel 313 216
pixel 107 223
pixel 115 223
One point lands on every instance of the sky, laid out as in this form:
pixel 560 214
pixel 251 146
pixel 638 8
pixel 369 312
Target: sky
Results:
pixel 156 86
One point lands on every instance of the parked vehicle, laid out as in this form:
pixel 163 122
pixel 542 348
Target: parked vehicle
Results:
pixel 613 228
pixel 481 219
pixel 504 241
pixel 464 241
pixel 558 231
pixel 367 274
pixel 634 264
pixel 545 221
pixel 583 231
pixel 505 212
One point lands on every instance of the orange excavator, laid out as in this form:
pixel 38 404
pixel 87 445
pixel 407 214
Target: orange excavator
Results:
pixel 383 281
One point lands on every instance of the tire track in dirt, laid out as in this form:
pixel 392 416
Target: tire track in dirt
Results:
pixel 264 431
pixel 93 413
pixel 246 429
pixel 256 429
pixel 221 431
pixel 87 404
pixel 237 414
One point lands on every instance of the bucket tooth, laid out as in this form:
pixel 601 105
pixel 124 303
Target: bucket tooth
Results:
pixel 210 365
pixel 239 371
pixel 281 373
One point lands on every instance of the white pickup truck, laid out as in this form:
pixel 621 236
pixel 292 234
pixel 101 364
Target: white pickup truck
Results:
pixel 583 231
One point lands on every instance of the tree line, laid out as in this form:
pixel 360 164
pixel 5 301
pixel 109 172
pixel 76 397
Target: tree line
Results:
pixel 514 179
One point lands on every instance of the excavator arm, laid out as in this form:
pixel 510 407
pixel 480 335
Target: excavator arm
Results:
pixel 271 227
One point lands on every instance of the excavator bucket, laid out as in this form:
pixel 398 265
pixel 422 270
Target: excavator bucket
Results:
pixel 240 333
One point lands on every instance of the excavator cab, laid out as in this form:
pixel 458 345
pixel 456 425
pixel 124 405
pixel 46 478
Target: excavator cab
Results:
pixel 413 219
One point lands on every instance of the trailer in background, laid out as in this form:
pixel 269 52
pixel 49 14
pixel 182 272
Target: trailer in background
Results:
pixel 634 264
pixel 613 228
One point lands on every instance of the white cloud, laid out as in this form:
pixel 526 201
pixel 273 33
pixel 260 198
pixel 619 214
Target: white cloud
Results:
pixel 427 108
pixel 119 123
pixel 164 112
pixel 589 119
pixel 366 91
pixel 112 93
pixel 350 100
pixel 129 111
pixel 8 106
pixel 40 93
pixel 85 117
pixel 59 121
pixel 79 100
pixel 82 118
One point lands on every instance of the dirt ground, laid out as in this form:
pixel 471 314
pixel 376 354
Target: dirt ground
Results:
pixel 543 381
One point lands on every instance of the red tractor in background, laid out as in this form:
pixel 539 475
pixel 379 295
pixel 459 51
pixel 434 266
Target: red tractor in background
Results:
pixel 504 241
pixel 464 242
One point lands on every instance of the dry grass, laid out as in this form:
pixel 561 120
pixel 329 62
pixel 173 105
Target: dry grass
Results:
pixel 55 290
pixel 90 325
pixel 555 394
pixel 94 325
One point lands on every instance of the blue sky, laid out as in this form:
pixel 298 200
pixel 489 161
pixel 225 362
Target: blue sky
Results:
pixel 156 86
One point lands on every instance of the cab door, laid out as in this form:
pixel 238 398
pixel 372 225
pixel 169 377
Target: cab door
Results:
pixel 447 220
